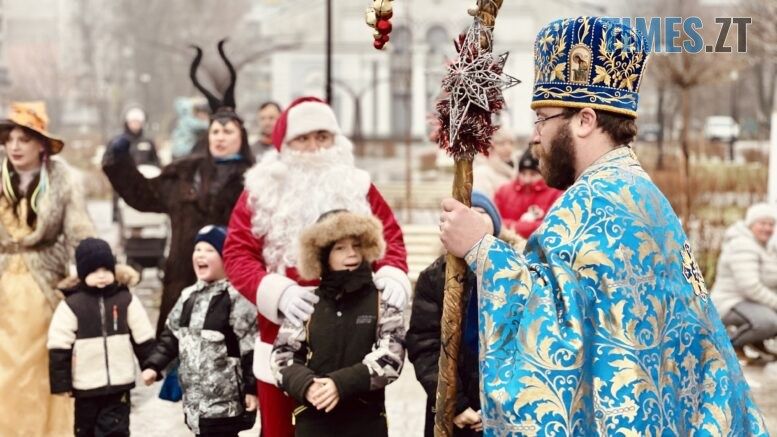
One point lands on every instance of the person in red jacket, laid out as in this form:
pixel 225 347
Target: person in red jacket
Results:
pixel 524 201
pixel 311 172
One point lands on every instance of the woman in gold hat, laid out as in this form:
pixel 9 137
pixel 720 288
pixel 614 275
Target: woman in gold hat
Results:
pixel 42 217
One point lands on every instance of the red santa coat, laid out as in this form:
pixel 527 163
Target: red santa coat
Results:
pixel 246 268
pixel 513 199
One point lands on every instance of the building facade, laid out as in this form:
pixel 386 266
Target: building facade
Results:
pixel 388 93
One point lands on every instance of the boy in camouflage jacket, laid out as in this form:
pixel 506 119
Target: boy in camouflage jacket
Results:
pixel 212 329
pixel 338 364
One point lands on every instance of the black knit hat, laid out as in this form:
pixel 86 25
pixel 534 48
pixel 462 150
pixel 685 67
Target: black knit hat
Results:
pixel 528 161
pixel 91 254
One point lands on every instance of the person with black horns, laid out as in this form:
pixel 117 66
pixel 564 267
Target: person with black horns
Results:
pixel 195 191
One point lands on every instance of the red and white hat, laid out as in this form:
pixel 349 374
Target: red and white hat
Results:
pixel 305 114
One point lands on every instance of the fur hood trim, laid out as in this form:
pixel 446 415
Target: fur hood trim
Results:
pixel 334 226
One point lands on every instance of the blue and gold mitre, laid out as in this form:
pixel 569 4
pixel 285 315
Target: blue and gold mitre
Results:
pixel 591 62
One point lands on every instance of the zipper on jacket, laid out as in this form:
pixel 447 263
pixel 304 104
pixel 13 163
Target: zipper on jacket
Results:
pixel 240 386
pixel 105 338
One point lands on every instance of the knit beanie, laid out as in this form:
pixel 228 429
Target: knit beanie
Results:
pixel 91 254
pixel 760 211
pixel 213 235
pixel 480 200
pixel 528 161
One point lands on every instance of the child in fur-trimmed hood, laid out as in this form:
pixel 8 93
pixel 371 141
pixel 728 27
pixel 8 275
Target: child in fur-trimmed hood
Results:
pixel 338 364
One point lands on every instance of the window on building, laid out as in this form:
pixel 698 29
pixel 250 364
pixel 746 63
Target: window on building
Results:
pixel 440 50
pixel 401 81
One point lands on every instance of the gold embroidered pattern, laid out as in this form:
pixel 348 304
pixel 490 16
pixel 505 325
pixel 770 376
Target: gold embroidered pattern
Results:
pixel 622 64
pixel 692 273
pixel 604 96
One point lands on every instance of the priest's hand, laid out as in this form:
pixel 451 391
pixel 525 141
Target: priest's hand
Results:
pixel 460 227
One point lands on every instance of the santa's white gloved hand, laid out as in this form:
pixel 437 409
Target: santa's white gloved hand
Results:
pixel 393 292
pixel 296 304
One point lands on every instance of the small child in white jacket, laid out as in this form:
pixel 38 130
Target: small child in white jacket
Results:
pixel 92 337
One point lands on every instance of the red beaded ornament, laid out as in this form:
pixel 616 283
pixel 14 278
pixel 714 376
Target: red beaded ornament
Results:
pixel 378 17
pixel 383 26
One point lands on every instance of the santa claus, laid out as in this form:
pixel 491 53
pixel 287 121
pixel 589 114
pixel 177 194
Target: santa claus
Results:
pixel 311 172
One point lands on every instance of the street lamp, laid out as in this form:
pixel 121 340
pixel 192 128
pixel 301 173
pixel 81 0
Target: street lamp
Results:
pixel 357 95
pixel 328 79
pixel 734 116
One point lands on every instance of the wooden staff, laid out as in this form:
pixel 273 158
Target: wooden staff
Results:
pixel 452 313
pixel 455 270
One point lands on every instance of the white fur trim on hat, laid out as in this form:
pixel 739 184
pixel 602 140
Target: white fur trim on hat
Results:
pixel 760 211
pixel 309 117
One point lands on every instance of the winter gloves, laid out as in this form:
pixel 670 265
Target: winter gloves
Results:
pixel 121 144
pixel 393 292
pixel 296 304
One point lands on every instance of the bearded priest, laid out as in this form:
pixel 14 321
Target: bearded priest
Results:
pixel 603 325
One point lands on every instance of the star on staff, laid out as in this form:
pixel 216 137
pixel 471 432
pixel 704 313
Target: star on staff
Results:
pixel 471 79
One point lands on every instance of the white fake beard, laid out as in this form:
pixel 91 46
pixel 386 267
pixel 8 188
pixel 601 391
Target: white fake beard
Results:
pixel 289 191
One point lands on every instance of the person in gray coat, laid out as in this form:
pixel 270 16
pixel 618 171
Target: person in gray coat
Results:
pixel 745 290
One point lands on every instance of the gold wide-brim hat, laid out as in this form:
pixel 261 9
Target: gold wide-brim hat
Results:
pixel 32 115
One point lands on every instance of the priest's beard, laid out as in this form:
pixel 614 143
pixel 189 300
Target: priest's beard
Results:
pixel 303 186
pixel 558 164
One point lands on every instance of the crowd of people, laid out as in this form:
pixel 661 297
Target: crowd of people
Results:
pixel 286 288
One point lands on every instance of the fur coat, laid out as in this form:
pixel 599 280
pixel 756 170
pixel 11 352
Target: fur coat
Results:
pixel 193 192
pixel 61 224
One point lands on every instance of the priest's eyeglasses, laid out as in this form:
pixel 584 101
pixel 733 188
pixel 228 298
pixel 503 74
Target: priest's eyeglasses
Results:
pixel 539 122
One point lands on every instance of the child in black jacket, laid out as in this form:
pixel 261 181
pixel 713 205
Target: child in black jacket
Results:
pixel 92 336
pixel 337 365
pixel 423 337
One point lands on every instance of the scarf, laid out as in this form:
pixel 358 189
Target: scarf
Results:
pixel 336 284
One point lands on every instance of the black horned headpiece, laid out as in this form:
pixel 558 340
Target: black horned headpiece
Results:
pixel 224 107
